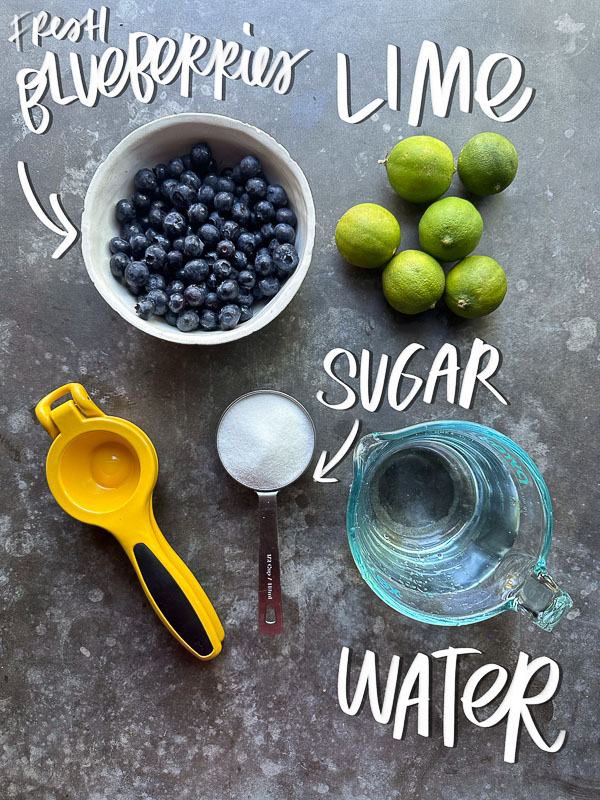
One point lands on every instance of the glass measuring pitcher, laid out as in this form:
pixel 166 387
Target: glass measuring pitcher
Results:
pixel 450 522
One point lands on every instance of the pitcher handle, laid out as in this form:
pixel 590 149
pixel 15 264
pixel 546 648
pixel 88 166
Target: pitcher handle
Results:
pixel 542 600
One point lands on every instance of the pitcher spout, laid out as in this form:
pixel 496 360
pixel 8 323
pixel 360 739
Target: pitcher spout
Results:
pixel 542 600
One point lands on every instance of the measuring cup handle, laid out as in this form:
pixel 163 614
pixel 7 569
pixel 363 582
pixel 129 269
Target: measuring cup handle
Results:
pixel 270 613
pixel 178 599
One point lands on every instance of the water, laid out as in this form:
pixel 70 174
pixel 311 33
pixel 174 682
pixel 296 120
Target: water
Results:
pixel 443 512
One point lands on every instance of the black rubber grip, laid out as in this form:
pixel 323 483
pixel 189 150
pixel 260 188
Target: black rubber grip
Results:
pixel 172 602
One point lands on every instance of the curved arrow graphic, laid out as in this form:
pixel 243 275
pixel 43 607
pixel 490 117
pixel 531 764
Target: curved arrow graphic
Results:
pixel 69 232
pixel 322 468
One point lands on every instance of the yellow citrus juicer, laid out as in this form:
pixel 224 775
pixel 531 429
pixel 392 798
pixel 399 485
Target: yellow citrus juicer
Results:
pixel 102 470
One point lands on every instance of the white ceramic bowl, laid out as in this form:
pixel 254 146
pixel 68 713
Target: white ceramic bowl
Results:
pixel 164 139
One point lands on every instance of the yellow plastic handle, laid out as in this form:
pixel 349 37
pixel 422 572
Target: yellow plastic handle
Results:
pixel 82 400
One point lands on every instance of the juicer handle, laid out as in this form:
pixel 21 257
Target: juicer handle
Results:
pixel 270 612
pixel 174 593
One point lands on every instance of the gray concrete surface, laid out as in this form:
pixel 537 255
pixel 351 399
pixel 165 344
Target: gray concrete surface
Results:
pixel 96 699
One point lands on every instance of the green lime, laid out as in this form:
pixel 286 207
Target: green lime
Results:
pixel 475 287
pixel 487 164
pixel 450 229
pixel 413 282
pixel 420 168
pixel 367 235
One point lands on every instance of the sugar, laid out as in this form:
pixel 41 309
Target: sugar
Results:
pixel 265 441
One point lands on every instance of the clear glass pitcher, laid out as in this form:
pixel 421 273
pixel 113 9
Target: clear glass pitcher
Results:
pixel 450 522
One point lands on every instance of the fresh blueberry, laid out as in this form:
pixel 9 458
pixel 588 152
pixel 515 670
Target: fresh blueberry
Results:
pixel 211 256
pixel 144 222
pixel 129 229
pixel 176 302
pixel 249 167
pixel 155 281
pixel 145 181
pixel 201 156
pixel 212 301
pixel 174 260
pixel 212 282
pixel 145 307
pixel 224 201
pixel 182 196
pixel 245 313
pixel 192 246
pixel 160 170
pixel 257 292
pixel 231 230
pixel 245 198
pixel 118 264
pixel 225 184
pixel 267 231
pixel 236 175
pixel 160 204
pixel 226 172
pixel 161 240
pixel 161 301
pixel 206 194
pixel 263 263
pixel 234 274
pixel 171 317
pixel 254 222
pixel 155 257
pixel 265 211
pixel 197 214
pixel 156 217
pixel 141 201
pixel 240 260
pixel 287 216
pixel 225 249
pixel 188 321
pixel 286 258
pixel 195 271
pixel 175 167
pixel 238 191
pixel 136 291
pixel 276 195
pixel 119 245
pixel 269 286
pixel 209 320
pixel 175 287
pixel 245 299
pixel 284 233
pixel 138 243
pixel 228 291
pixel 167 187
pixel 229 317
pixel 259 240
pixel 195 294
pixel 247 279
pixel 125 211
pixel 213 167
pixel 174 224
pixel 136 273
pixel 187 162
pixel 256 188
pixel 191 179
pixel 178 244
pixel 216 219
pixel 273 245
pixel 212 179
pixel 221 269
pixel 245 243
pixel 240 213
pixel 210 235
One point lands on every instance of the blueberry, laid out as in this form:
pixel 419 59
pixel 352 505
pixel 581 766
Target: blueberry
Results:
pixel 210 235
pixel 155 281
pixel 197 214
pixel 160 240
pixel 160 204
pixel 247 279
pixel 240 213
pixel 192 246
pixel 209 320
pixel 256 188
pixel 176 302
pixel 201 156
pixel 276 195
pixel 161 301
pixel 234 274
pixel 119 245
pixel 224 184
pixel 217 220
pixel 206 195
pixel 156 217
pixel 145 308
pixel 238 191
pixel 175 167
pixel 178 244
pixel 245 243
pixel 245 313
pixel 231 230
pixel 129 229
pixel 287 216
pixel 182 196
pixel 167 187
pixel 125 211
pixel 195 294
pixel 240 260
pixel 254 222
pixel 174 260
pixel 267 231
pixel 211 257
pixel 175 287
pixel 213 167
pixel 221 269
pixel 249 167
pixel 187 162
pixel 191 179
pixel 195 271
pixel 212 282
pixel 265 211
pixel 263 263
pixel 257 292
pixel 155 257
pixel 118 264
pixel 141 201
pixel 138 243
pixel 174 224
pixel 284 233
pixel 224 201
pixel 226 172
pixel 229 317
pixel 188 321
pixel 212 301
pixel 136 273
pixel 144 222
pixel 225 249
pixel 171 317
pixel 145 181
pixel 269 286
pixel 259 240
pixel 245 198
pixel 273 245
pixel 228 291
pixel 245 299
pixel 136 291
pixel 160 170
pixel 212 179
pixel 286 258
pixel 236 175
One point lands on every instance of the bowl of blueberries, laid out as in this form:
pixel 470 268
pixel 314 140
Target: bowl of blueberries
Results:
pixel 198 228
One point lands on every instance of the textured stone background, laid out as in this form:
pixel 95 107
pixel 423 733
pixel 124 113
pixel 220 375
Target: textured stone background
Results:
pixel 96 700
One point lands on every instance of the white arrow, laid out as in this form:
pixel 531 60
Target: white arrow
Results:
pixel 322 468
pixel 69 232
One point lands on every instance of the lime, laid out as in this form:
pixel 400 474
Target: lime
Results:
pixel 413 282
pixel 450 229
pixel 487 164
pixel 475 287
pixel 420 168
pixel 367 235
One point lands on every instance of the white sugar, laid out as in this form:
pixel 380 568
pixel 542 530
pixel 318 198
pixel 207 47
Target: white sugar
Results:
pixel 265 441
